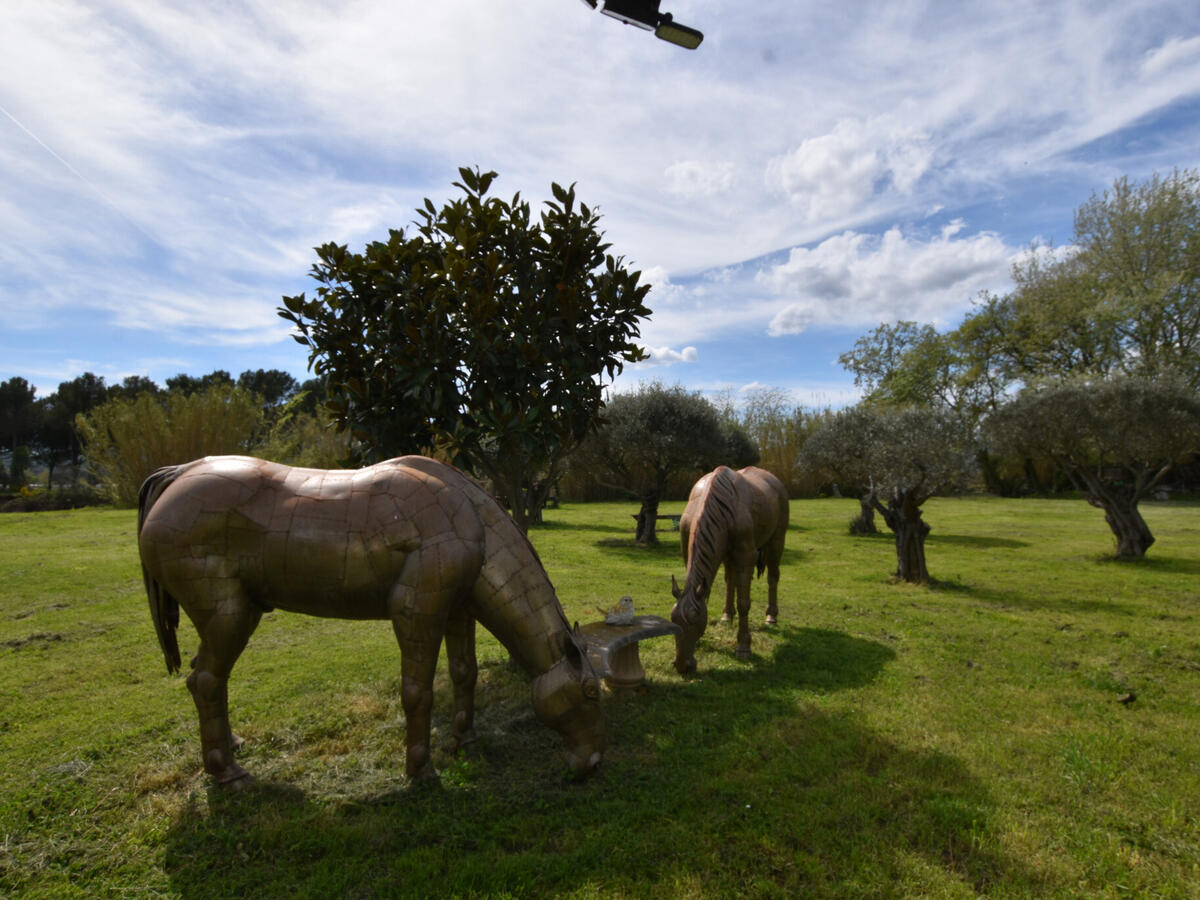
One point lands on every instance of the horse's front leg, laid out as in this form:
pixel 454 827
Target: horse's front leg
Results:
pixel 743 610
pixel 225 628
pixel 460 651
pixel 730 594
pixel 419 633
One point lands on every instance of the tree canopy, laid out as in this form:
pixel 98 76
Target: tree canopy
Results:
pixel 655 433
pixel 483 334
pixel 1116 438
pixel 906 455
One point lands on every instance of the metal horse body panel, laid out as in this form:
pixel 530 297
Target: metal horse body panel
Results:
pixel 410 540
pixel 739 520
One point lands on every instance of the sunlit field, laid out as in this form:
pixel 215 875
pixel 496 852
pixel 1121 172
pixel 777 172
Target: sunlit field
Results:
pixel 1024 726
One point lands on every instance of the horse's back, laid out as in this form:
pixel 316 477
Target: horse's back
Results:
pixel 768 501
pixel 321 541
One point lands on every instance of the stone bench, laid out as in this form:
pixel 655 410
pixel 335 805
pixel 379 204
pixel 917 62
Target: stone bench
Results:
pixel 613 649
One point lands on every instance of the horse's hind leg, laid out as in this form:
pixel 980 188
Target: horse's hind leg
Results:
pixel 464 670
pixel 774 554
pixel 224 628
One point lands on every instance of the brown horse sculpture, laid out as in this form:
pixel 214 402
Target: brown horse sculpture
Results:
pixel 738 519
pixel 411 540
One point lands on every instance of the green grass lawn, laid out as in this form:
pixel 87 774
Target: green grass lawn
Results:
pixel 962 739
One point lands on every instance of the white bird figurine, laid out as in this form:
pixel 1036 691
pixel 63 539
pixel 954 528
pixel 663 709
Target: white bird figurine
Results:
pixel 620 614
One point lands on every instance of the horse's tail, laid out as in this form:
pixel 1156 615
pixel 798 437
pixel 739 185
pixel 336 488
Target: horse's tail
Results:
pixel 164 609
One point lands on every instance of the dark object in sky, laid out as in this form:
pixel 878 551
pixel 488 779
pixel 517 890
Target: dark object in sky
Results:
pixel 645 14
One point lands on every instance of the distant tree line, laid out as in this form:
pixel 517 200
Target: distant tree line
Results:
pixel 90 433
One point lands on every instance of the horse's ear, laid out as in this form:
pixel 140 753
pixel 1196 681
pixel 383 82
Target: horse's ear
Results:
pixel 675 591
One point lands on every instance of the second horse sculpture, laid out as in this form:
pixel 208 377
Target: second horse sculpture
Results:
pixel 409 540
pixel 738 519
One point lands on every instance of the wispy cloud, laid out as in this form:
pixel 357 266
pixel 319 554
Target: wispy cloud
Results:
pixel 169 168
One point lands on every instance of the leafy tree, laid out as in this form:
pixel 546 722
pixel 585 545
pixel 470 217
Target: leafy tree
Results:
pixel 58 441
pixel 19 416
pixel 1140 241
pixel 275 386
pixel 1115 438
pixel 190 384
pixel 654 434
pixel 907 455
pixel 1126 297
pixel 132 385
pixel 878 355
pixel 483 335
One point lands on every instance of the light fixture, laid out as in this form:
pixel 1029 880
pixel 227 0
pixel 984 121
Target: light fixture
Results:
pixel 644 14
pixel 671 31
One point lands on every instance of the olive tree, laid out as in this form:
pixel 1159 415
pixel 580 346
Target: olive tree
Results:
pixel 907 455
pixel 484 335
pixel 1115 438
pixel 655 433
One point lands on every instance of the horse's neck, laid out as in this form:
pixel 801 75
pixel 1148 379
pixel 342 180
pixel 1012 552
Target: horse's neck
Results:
pixel 705 555
pixel 515 600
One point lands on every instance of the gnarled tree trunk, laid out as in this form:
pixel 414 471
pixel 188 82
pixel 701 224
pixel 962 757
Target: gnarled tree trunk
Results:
pixel 864 522
pixel 903 517
pixel 647 520
pixel 1123 517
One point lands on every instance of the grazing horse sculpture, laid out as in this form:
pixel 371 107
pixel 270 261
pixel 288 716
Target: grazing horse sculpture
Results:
pixel 412 540
pixel 739 519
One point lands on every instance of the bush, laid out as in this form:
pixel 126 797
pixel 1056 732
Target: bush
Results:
pixel 73 497
pixel 126 439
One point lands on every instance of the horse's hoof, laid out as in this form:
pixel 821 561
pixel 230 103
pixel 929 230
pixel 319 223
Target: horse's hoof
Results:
pixel 771 620
pixel 235 781
pixel 463 742
pixel 742 653
pixel 725 617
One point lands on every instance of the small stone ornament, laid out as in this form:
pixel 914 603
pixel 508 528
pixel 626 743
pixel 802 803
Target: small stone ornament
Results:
pixel 620 614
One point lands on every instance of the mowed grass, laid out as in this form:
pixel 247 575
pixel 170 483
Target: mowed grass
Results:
pixel 1026 726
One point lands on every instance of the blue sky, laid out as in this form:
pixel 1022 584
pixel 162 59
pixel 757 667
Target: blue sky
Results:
pixel 813 169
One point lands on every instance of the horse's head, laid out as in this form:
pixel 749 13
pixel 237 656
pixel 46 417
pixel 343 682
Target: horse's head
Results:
pixel 690 613
pixel 567 699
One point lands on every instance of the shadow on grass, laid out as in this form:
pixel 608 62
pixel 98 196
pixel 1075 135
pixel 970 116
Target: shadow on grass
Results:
pixel 553 525
pixel 980 542
pixel 1172 565
pixel 740 781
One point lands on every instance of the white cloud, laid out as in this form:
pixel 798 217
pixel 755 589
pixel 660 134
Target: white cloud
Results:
pixel 834 174
pixel 666 356
pixel 855 279
pixel 1174 52
pixel 692 178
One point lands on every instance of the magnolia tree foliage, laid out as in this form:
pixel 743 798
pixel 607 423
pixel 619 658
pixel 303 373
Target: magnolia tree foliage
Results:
pixel 483 334
pixel 906 455
pixel 655 433
pixel 1115 438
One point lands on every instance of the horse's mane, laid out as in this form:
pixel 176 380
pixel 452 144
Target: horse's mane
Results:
pixel 708 539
